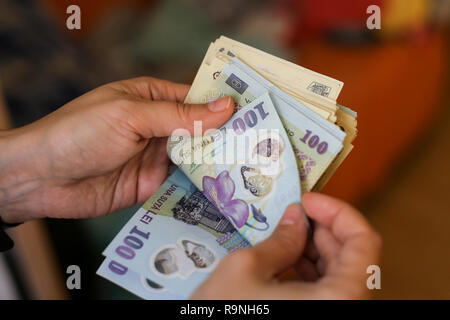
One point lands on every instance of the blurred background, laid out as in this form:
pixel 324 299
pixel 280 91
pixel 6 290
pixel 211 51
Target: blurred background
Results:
pixel 396 79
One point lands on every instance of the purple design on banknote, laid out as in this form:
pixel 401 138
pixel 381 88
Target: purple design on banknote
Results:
pixel 220 191
pixel 306 161
pixel 237 84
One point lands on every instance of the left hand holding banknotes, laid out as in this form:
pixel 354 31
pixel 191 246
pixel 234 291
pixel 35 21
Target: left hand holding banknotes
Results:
pixel 101 152
pixel 332 265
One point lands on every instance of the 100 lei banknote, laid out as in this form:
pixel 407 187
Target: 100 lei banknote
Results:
pixel 247 169
pixel 313 86
pixel 315 141
pixel 180 234
pixel 174 241
pixel 136 283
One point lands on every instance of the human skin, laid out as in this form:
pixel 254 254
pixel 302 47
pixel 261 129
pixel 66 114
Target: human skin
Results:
pixel 331 265
pixel 99 153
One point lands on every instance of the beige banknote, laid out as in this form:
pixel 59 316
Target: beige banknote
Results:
pixel 284 75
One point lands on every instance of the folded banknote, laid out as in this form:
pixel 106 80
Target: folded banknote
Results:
pixel 315 141
pixel 247 168
pixel 227 199
pixel 175 239
pixel 317 92
pixel 136 283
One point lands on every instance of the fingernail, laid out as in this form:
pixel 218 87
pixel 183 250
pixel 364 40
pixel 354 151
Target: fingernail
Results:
pixel 293 215
pixel 219 105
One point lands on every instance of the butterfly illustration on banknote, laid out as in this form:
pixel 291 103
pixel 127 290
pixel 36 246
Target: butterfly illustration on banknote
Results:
pixel 220 192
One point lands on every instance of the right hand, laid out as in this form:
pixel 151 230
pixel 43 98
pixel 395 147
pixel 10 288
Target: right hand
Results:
pixel 332 266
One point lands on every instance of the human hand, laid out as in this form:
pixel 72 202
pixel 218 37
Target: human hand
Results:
pixel 332 266
pixel 101 152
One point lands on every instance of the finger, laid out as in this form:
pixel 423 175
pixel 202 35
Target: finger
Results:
pixel 361 245
pixel 153 168
pixel 306 269
pixel 162 118
pixel 284 247
pixel 344 220
pixel 321 267
pixel 311 251
pixel 153 89
pixel 327 245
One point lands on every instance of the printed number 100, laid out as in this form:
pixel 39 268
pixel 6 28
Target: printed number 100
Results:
pixel 314 142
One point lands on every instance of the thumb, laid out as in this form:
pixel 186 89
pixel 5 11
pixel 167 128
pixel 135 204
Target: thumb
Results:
pixel 284 247
pixel 161 118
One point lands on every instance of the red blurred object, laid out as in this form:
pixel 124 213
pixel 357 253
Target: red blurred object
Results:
pixel 312 18
pixel 92 12
pixel 396 88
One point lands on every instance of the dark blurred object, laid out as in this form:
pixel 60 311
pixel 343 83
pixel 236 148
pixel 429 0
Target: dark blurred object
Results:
pixel 93 13
pixel 229 12
pixel 30 270
pixel 345 20
pixel 39 69
pixel 440 15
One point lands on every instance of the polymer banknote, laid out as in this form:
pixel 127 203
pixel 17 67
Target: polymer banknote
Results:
pixel 175 239
pixel 247 168
pixel 136 283
pixel 315 141
pixel 216 205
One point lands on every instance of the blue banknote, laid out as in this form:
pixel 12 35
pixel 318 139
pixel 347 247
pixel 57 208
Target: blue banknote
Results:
pixel 247 169
pixel 205 210
pixel 135 283
pixel 175 239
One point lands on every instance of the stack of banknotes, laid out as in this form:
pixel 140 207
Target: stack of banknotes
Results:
pixel 231 185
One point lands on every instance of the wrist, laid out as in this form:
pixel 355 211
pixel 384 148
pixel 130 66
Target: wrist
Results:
pixel 20 175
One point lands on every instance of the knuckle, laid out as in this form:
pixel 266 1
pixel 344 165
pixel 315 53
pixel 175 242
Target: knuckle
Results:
pixel 183 111
pixel 286 241
pixel 123 102
pixel 152 88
